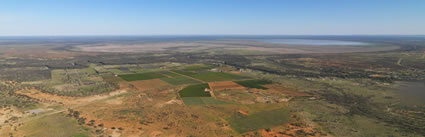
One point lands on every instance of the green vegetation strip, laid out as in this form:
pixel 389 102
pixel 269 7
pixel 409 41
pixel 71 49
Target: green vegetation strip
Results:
pixel 179 80
pixel 141 76
pixel 195 91
pixel 254 83
pixel 260 120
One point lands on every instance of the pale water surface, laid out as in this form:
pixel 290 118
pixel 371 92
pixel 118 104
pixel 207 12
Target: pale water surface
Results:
pixel 312 42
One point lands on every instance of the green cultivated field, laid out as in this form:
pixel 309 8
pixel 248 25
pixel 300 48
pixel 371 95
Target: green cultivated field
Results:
pixel 260 120
pixel 187 73
pixel 179 80
pixel 195 91
pixel 254 83
pixel 168 73
pixel 141 76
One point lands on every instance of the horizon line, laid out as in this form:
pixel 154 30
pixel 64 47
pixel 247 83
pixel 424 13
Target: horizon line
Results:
pixel 138 35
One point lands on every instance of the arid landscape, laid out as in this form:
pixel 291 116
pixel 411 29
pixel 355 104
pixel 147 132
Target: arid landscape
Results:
pixel 212 68
pixel 130 87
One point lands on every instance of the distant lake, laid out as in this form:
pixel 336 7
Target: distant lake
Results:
pixel 412 93
pixel 312 42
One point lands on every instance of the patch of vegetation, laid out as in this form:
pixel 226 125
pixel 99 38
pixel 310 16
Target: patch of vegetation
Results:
pixel 195 91
pixel 111 78
pixel 24 74
pixel 180 80
pixel 77 82
pixel 55 125
pixel 141 76
pixel 260 120
pixel 8 97
pixel 87 90
pixel 192 100
pixel 254 83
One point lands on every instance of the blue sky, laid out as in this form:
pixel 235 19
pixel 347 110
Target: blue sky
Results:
pixel 211 17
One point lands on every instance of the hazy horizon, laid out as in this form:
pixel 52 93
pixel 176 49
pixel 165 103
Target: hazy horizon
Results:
pixel 211 17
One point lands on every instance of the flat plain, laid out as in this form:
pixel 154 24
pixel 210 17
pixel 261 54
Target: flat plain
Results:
pixel 83 87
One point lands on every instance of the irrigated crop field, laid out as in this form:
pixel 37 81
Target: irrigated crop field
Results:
pixel 199 90
pixel 142 76
pixel 180 80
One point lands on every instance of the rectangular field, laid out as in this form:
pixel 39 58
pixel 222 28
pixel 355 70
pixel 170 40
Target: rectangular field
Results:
pixel 195 91
pixel 142 76
pixel 224 85
pixel 111 78
pixel 169 74
pixel 179 80
pixel 149 84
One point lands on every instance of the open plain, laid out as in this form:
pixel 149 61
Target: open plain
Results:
pixel 81 87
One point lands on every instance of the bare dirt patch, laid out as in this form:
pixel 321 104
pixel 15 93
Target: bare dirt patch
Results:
pixel 224 85
pixel 236 72
pixel 116 101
